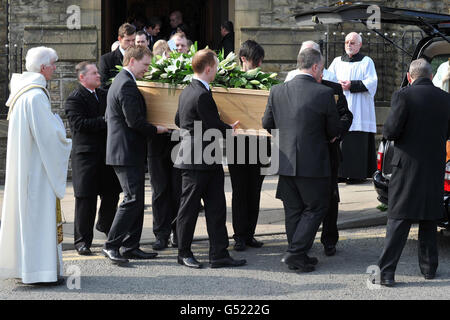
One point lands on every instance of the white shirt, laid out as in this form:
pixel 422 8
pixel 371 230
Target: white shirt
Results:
pixel 206 84
pixel 122 50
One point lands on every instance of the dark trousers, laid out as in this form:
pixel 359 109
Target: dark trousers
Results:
pixel 85 208
pixel 330 233
pixel 396 236
pixel 126 229
pixel 166 187
pixel 209 186
pixel 246 182
pixel 306 202
pixel 359 157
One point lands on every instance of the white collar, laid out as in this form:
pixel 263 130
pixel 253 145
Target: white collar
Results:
pixel 206 84
pixel 122 51
pixel 91 91
pixel 134 78
pixel 304 73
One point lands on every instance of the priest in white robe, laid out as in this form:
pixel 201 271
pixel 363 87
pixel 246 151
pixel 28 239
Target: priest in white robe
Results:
pixel 36 172
pixel 357 75
pixel 442 77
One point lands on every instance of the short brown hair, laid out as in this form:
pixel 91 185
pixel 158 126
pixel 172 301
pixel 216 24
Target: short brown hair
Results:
pixel 137 53
pixel 202 59
pixel 81 68
pixel 126 29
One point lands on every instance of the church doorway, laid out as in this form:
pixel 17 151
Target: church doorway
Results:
pixel 203 18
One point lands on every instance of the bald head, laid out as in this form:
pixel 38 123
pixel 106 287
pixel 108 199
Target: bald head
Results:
pixel 353 43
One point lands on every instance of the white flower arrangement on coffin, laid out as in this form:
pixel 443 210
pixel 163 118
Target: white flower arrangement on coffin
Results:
pixel 177 70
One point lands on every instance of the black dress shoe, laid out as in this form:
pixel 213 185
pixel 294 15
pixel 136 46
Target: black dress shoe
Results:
pixel 254 243
pixel 429 276
pixel 309 260
pixel 114 256
pixel 329 250
pixel 387 282
pixel 84 251
pixel 160 244
pixel 227 262
pixel 190 262
pixel 239 245
pixel 139 255
pixel 298 261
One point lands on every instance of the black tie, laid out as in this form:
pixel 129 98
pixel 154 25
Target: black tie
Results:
pixel 95 95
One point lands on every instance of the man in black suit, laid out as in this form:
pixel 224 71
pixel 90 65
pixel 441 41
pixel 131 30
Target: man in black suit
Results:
pixel 126 151
pixel 305 114
pixel 330 233
pixel 245 174
pixel 109 61
pixel 227 33
pixel 152 30
pixel 85 109
pixel 201 178
pixel 419 124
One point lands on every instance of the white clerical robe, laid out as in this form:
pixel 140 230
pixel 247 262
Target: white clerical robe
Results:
pixel 442 77
pixel 361 104
pixel 36 172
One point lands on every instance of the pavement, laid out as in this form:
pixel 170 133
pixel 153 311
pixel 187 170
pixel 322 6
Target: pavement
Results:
pixel 357 209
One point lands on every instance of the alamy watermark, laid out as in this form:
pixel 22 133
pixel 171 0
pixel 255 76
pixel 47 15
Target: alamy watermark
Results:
pixel 74 20
pixel 374 20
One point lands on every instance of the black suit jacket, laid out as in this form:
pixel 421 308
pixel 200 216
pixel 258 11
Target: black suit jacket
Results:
pixel 197 104
pixel 86 120
pixel 305 113
pixel 107 66
pixel 419 123
pixel 128 128
pixel 227 44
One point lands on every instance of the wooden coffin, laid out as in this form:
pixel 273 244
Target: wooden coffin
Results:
pixel 245 105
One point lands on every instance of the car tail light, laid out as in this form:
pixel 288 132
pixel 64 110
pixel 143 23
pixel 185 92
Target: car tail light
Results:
pixel 447 177
pixel 380 156
pixel 447 169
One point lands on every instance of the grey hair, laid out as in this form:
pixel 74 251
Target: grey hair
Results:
pixel 307 58
pixel 309 44
pixel 82 68
pixel 38 56
pixel 420 68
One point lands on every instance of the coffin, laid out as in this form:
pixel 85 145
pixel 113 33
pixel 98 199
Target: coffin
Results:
pixel 245 105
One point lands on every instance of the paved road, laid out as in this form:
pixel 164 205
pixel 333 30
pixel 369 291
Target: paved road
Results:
pixel 264 278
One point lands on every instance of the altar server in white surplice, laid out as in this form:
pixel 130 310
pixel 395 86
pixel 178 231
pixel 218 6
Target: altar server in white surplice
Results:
pixel 442 77
pixel 36 171
pixel 357 75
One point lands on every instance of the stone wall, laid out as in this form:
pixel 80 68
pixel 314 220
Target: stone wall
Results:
pixel 3 59
pixel 44 22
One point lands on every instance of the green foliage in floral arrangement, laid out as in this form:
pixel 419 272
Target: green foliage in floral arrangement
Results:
pixel 177 70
